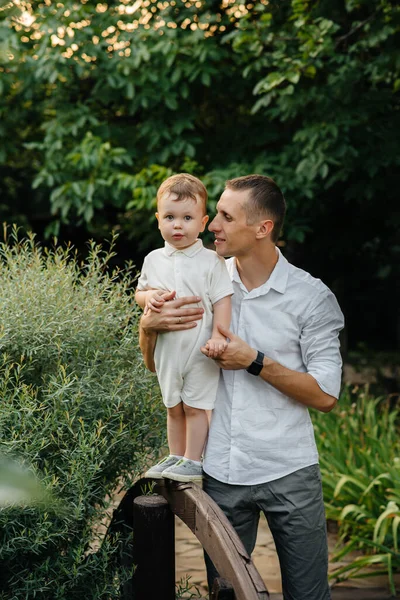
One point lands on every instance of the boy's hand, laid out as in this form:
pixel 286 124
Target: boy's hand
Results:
pixel 155 300
pixel 216 346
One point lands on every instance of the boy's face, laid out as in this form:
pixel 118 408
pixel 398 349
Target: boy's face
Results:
pixel 180 222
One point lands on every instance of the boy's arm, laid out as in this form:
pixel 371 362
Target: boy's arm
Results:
pixel 222 314
pixel 140 297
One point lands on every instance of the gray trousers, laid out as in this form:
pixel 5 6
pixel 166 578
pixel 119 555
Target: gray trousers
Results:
pixel 293 506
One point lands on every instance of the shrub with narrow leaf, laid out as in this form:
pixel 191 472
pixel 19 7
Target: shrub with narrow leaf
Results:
pixel 77 409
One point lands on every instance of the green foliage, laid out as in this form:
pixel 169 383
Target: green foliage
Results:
pixel 99 103
pixel 186 590
pixel 359 449
pixel 78 410
pixel 328 75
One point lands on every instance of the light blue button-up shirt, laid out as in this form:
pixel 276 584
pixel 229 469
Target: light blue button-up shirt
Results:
pixel 257 433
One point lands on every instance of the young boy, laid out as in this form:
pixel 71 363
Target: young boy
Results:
pixel 188 380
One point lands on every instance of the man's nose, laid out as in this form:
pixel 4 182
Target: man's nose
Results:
pixel 213 226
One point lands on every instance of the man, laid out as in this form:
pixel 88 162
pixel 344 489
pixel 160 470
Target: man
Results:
pixel 282 358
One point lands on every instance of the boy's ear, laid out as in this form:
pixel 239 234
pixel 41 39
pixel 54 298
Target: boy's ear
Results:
pixel 204 223
pixel 264 228
pixel 158 219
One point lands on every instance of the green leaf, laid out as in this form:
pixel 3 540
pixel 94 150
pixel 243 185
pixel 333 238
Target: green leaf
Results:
pixel 130 90
pixel 171 102
pixel 346 479
pixel 206 79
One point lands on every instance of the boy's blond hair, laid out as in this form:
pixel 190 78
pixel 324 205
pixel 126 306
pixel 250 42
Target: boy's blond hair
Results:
pixel 184 186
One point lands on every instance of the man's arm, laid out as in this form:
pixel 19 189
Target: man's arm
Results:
pixel 302 387
pixel 147 343
pixel 172 317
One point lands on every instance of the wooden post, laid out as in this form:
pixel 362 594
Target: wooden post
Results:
pixel 153 549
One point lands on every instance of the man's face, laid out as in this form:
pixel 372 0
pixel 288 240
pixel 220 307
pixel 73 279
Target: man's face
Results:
pixel 233 236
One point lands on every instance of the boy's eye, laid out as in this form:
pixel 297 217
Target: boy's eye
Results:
pixel 169 217
pixel 188 218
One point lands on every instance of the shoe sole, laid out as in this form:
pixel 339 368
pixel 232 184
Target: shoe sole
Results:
pixel 156 474
pixel 149 475
pixel 183 478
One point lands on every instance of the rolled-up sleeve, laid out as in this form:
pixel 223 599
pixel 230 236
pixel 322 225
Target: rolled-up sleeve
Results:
pixel 319 343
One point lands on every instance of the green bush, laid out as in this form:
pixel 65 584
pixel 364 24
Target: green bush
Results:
pixel 359 447
pixel 77 408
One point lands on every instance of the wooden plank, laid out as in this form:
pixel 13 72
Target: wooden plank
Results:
pixel 217 536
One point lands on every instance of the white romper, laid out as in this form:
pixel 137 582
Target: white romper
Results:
pixel 184 373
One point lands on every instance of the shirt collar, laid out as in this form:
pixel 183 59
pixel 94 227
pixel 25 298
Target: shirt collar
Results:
pixel 277 280
pixel 190 251
pixel 279 276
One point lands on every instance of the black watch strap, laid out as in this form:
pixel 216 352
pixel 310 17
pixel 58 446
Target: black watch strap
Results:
pixel 257 364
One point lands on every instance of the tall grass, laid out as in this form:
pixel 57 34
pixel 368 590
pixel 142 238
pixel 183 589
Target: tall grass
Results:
pixel 359 450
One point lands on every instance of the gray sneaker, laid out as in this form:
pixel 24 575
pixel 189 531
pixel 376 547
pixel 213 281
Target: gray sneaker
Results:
pixel 155 472
pixel 184 470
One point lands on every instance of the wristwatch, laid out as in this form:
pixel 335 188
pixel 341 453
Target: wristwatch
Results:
pixel 257 364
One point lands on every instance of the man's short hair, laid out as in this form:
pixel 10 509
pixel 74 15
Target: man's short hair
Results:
pixel 184 186
pixel 265 200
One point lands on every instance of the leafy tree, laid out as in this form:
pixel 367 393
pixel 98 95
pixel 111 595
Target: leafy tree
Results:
pixel 101 102
pixel 329 74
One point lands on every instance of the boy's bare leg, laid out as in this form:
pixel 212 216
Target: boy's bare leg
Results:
pixel 176 430
pixel 196 431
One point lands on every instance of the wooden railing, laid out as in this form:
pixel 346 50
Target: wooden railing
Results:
pixel 153 549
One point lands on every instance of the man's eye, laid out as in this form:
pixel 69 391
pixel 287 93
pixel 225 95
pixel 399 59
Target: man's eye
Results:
pixel 188 218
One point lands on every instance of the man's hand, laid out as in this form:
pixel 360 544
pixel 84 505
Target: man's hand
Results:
pixel 237 355
pixel 172 317
pixel 299 386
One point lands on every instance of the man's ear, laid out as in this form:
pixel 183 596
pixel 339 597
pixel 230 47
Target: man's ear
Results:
pixel 264 228
pixel 204 223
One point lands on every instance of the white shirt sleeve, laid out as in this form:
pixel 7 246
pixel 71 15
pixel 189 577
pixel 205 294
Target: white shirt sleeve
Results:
pixel 319 343
pixel 143 278
pixel 220 284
